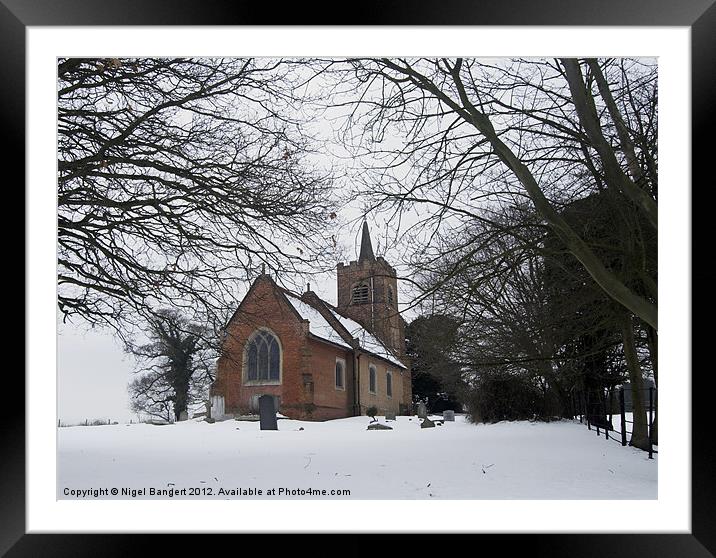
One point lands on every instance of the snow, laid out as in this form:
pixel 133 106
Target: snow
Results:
pixel 318 325
pixel 517 460
pixel 615 434
pixel 367 340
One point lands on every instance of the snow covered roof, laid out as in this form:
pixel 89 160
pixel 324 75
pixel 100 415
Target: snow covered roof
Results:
pixel 367 340
pixel 322 328
pixel 318 325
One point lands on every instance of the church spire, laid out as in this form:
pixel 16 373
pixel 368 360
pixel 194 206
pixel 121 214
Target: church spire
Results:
pixel 366 248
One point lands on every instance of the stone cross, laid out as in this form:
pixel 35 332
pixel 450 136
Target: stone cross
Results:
pixel 267 413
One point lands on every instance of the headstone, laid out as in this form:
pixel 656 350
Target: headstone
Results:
pixel 379 426
pixel 217 407
pixel 267 413
pixel 389 415
pixel 183 416
pixel 427 423
pixel 449 416
pixel 422 410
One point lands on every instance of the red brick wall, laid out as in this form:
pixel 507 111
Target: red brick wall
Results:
pixel 380 398
pixel 307 387
pixel 330 402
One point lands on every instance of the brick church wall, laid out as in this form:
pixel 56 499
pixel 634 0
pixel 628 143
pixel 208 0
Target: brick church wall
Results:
pixel 380 398
pixel 330 402
pixel 307 386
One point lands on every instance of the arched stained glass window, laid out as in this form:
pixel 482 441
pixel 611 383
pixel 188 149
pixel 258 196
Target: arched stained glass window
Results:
pixel 263 357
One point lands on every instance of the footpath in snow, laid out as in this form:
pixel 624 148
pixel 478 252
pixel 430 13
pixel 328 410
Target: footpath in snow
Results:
pixel 235 459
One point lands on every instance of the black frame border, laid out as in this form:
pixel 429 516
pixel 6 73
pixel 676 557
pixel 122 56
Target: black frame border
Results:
pixel 698 15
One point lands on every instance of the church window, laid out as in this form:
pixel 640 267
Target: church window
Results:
pixel 263 357
pixel 372 379
pixel 389 384
pixel 361 293
pixel 340 374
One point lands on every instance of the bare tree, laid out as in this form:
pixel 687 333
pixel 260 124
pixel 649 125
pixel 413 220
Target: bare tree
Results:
pixel 476 132
pixel 533 327
pixel 176 366
pixel 177 179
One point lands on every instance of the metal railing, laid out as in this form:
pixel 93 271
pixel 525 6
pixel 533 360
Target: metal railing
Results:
pixel 600 414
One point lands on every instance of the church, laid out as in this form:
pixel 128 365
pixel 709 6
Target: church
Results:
pixel 318 361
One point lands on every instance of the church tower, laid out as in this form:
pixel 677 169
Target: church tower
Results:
pixel 368 293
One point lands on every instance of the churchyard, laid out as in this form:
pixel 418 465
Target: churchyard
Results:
pixel 342 459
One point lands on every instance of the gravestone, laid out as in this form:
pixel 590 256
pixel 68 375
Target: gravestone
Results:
pixel 378 426
pixel 449 416
pixel 389 415
pixel 427 423
pixel 267 413
pixel 183 416
pixel 422 410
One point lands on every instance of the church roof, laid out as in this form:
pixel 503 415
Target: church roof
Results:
pixel 367 340
pixel 366 248
pixel 318 325
pixel 322 328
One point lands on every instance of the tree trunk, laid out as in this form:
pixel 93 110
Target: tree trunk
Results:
pixel 588 117
pixel 640 431
pixel 181 394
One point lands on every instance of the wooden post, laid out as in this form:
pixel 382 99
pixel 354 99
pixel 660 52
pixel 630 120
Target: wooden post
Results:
pixel 623 416
pixel 651 421
pixel 611 409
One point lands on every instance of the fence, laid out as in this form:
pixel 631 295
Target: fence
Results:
pixel 599 409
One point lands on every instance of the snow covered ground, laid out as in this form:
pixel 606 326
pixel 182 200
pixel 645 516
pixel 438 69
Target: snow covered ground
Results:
pixel 519 460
